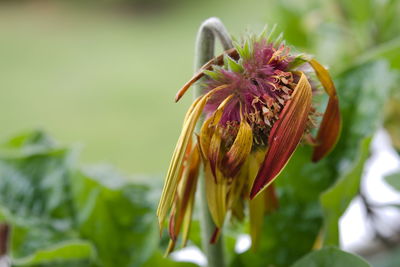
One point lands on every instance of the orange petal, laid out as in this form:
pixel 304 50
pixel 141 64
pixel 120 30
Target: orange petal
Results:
pixel 219 60
pixel 329 129
pixel 285 135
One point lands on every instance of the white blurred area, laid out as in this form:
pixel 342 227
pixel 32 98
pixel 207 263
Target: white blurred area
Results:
pixel 355 230
pixel 356 233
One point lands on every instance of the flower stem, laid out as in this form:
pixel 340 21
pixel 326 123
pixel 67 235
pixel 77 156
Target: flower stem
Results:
pixel 205 45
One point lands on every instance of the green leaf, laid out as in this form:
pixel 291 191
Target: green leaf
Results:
pixel 336 200
pixel 331 257
pixel 212 74
pixel 394 180
pixel 115 215
pixel 65 251
pixel 231 64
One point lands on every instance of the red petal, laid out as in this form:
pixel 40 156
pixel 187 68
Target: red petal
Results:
pixel 285 135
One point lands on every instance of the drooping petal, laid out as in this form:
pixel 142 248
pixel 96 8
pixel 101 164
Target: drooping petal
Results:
pixel 219 60
pixel 216 190
pixel 285 135
pixel 236 188
pixel 215 142
pixel 329 129
pixel 256 219
pixel 175 166
pixel 213 151
pixel 256 205
pixel 187 220
pixel 188 185
pixel 183 205
pixel 239 150
pixel 204 137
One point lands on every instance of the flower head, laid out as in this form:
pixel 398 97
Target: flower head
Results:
pixel 257 107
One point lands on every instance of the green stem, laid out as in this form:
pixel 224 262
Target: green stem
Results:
pixel 205 44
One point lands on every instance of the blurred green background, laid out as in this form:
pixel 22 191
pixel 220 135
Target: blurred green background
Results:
pixel 104 73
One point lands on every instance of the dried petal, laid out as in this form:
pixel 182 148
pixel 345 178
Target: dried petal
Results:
pixel 218 61
pixel 285 135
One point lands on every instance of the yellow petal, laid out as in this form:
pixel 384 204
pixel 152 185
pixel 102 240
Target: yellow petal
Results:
pixel 256 205
pixel 216 190
pixel 324 77
pixel 239 150
pixel 213 152
pixel 215 142
pixel 206 133
pixel 256 212
pixel 236 187
pixel 175 166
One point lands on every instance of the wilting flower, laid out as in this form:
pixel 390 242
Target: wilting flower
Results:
pixel 257 107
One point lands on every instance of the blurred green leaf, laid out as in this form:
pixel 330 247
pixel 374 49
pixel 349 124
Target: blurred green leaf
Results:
pixel 115 216
pixel 336 200
pixel 389 51
pixel 394 180
pixel 65 251
pixel 363 91
pixel 330 257
pixel 34 193
pixel 392 122
pixel 62 215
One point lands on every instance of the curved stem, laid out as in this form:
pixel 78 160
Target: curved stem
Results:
pixel 205 45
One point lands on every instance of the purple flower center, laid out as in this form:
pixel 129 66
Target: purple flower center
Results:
pixel 259 90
